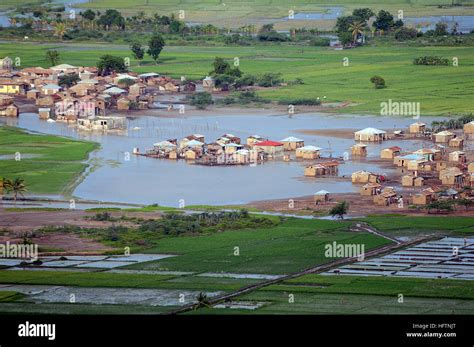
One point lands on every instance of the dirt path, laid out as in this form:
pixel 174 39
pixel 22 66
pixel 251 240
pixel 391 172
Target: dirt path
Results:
pixel 312 270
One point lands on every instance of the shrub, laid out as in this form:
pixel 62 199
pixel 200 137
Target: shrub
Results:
pixel 430 60
pixel 404 33
pixel 379 82
pixel 201 100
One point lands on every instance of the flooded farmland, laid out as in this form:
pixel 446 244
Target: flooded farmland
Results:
pixel 116 175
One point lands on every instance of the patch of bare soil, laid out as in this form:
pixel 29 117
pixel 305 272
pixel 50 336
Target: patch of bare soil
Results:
pixel 358 206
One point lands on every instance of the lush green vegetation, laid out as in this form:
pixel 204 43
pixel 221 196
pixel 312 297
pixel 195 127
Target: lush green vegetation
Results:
pixel 402 225
pixel 288 247
pixel 376 285
pixel 321 69
pixel 48 164
pixel 83 279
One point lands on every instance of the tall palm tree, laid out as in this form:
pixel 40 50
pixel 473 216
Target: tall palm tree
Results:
pixel 357 28
pixel 17 187
pixel 60 29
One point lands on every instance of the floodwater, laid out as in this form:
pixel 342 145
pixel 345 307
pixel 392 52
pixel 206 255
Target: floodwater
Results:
pixel 124 296
pixel 68 7
pixel 119 176
pixel 465 23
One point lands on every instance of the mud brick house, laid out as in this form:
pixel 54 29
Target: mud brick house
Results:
pixel 273 149
pixel 308 152
pixel 403 160
pixel 387 197
pixel 291 143
pixel 417 128
pixel 370 189
pixel 469 129
pixel 8 86
pixel 370 135
pixel 457 157
pixel 429 154
pixel 253 139
pixel 443 136
pixel 359 150
pixel 451 176
pixel 390 153
pixel 457 142
pixel 365 177
pixel 425 197
pixel 412 181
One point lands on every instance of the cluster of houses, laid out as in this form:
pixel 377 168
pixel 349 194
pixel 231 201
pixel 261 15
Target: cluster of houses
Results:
pixel 229 149
pixel 86 99
pixel 436 172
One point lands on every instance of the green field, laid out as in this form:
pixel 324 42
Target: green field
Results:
pixel 49 164
pixel 240 12
pixel 318 294
pixel 411 226
pixel 321 70
pixel 291 246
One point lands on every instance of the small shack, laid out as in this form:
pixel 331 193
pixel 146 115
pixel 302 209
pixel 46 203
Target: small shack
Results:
pixel 291 143
pixel 308 152
pixel 387 197
pixel 370 189
pixel 412 181
pixel 390 153
pixel 253 139
pixel 359 150
pixel 425 197
pixel 443 136
pixel 370 135
pixel 321 196
pixel 273 149
pixel 457 157
pixel 469 128
pixel 364 176
pixel 417 128
pixel 451 176
pixel 457 142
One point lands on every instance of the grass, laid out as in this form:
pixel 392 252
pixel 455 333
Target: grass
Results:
pixel 320 68
pixel 401 225
pixel 237 13
pixel 277 303
pixel 49 164
pixel 291 246
pixel 83 279
pixel 9 296
pixel 375 285
pixel 318 294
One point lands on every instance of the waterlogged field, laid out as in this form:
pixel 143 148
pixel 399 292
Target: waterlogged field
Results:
pixel 318 294
pixel 321 70
pixel 236 13
pixel 48 164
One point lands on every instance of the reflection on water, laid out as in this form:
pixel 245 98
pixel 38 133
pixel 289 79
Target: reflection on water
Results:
pixel 147 180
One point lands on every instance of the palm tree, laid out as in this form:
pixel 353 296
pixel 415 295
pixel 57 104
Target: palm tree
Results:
pixel 60 29
pixel 356 29
pixel 340 210
pixel 17 186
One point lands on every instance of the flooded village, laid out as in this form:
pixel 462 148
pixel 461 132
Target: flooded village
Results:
pixel 406 164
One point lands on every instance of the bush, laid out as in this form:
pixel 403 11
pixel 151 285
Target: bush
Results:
pixel 201 100
pixel 430 60
pixel 312 102
pixel 379 82
pixel 269 79
pixel 320 42
pixel 404 33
